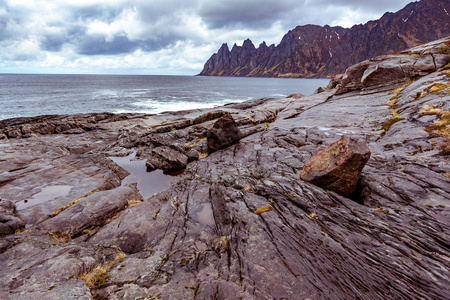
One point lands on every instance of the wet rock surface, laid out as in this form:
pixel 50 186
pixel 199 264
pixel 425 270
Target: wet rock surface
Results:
pixel 239 223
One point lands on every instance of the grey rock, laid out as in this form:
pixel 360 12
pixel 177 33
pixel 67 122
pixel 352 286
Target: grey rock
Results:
pixel 237 223
pixel 167 159
pixel 90 212
pixel 391 69
pixel 9 221
pixel 224 133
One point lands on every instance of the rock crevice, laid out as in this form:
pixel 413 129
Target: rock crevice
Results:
pixel 239 222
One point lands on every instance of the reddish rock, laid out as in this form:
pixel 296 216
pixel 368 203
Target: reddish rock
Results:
pixel 224 133
pixel 338 166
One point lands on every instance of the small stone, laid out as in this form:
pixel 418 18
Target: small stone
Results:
pixel 338 166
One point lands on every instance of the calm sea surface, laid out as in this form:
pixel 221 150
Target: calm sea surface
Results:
pixel 32 95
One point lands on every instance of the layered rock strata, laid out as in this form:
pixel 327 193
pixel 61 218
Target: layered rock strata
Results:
pixel 239 223
pixel 324 51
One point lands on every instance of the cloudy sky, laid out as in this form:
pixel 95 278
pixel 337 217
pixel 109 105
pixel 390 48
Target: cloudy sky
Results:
pixel 157 37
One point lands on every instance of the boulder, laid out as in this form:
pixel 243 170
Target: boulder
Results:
pixel 166 159
pixel 338 166
pixel 224 133
pixel 9 221
pixel 384 70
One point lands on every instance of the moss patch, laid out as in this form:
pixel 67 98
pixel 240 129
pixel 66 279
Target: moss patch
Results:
pixel 392 103
pixel 95 278
pixel 263 210
pixel 392 120
pixel 437 88
pixel 63 208
pixel 98 276
pixel 439 128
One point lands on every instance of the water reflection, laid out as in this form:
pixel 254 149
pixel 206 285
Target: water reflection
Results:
pixel 148 183
pixel 46 194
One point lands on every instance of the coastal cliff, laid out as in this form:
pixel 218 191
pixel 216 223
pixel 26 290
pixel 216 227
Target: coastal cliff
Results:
pixel 238 222
pixel 324 51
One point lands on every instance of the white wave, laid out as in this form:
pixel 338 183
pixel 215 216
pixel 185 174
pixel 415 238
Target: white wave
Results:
pixel 105 93
pixel 155 107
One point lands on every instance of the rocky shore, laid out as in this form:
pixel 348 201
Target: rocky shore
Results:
pixel 237 221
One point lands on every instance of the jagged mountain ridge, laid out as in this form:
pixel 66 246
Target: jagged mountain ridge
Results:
pixel 324 51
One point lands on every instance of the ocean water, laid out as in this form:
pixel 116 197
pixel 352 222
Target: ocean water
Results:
pixel 33 95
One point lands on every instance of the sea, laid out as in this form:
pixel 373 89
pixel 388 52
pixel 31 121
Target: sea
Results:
pixel 28 95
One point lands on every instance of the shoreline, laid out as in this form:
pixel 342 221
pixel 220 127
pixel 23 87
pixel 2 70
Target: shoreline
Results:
pixel 238 222
pixel 32 95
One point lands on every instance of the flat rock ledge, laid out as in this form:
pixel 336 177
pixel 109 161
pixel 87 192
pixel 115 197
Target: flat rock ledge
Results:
pixel 238 222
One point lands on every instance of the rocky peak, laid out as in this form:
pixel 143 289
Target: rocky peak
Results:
pixel 324 51
pixel 263 47
pixel 248 45
pixel 223 51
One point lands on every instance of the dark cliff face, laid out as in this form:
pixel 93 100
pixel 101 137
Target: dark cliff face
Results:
pixel 324 51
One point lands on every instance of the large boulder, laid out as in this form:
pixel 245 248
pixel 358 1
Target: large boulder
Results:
pixel 338 166
pixel 224 133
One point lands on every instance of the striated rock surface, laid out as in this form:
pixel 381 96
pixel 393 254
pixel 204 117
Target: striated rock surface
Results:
pixel 316 51
pixel 238 223
pixel 338 166
pixel 390 69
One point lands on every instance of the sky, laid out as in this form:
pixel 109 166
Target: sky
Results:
pixel 155 37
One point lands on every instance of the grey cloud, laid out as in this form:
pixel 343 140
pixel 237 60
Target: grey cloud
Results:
pixel 52 43
pixel 95 12
pixel 159 19
pixel 263 13
pixel 162 23
pixel 96 45
pixel 376 6
pixel 252 13
pixel 153 10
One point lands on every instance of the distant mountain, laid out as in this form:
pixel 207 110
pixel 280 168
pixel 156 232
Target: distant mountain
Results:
pixel 324 51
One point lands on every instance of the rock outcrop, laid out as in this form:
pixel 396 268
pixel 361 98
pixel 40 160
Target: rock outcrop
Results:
pixel 316 51
pixel 237 223
pixel 390 69
pixel 337 167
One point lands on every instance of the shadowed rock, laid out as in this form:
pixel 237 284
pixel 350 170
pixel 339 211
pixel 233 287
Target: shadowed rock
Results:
pixel 338 166
pixel 9 222
pixel 166 159
pixel 223 134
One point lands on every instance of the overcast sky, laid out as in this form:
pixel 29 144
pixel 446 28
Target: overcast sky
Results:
pixel 158 37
